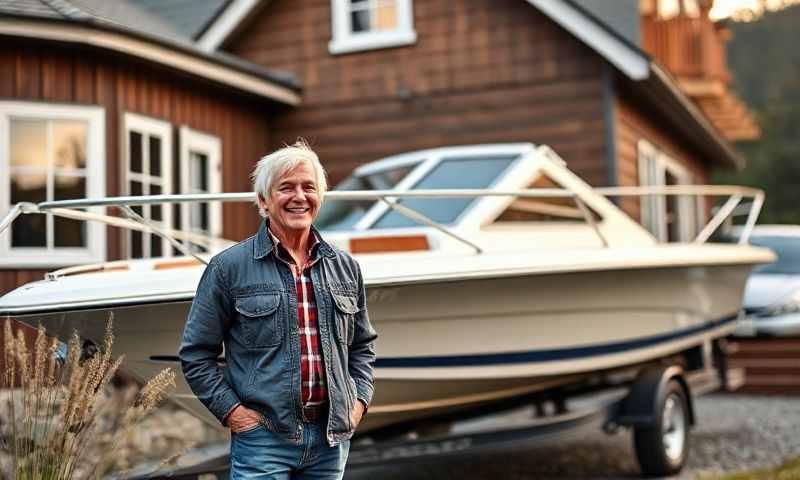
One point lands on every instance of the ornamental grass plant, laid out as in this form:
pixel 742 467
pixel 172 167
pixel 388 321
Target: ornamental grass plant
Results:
pixel 63 418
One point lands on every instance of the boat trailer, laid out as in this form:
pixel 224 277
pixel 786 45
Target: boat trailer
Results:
pixel 657 405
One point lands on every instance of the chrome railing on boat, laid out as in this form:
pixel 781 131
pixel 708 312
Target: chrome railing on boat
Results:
pixel 71 208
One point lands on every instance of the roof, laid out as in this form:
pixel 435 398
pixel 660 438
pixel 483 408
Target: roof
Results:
pixel 122 27
pixel 620 15
pixel 188 17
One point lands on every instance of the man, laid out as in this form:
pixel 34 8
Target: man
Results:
pixel 291 313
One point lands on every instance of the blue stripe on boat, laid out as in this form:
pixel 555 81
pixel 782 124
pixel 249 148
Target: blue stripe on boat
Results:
pixel 544 355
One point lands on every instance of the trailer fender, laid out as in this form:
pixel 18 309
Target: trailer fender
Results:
pixel 640 406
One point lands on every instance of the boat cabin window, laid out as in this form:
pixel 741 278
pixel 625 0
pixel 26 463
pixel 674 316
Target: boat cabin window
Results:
pixel 343 215
pixel 544 209
pixel 450 173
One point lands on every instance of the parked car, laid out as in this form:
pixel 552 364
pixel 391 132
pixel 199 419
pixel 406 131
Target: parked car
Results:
pixel 772 294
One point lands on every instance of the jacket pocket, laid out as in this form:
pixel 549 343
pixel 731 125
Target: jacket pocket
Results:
pixel 259 317
pixel 344 313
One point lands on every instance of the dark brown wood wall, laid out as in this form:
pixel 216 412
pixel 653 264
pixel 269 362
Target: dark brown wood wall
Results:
pixel 31 71
pixel 481 71
pixel 633 123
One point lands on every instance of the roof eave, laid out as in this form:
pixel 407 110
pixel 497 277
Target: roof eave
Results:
pixel 226 71
pixel 664 89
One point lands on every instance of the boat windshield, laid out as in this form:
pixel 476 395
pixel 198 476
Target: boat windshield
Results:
pixel 465 172
pixel 344 215
pixel 786 248
pixel 450 173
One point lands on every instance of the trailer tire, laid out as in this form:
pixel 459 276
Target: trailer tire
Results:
pixel 662 447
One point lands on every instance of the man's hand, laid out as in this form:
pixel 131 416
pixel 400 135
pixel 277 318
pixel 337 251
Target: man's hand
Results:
pixel 357 413
pixel 242 419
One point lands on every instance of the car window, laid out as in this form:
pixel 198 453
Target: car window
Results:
pixel 787 250
pixel 450 173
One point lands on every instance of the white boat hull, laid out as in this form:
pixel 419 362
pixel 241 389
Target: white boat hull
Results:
pixel 458 344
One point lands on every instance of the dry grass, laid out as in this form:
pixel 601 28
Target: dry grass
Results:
pixel 788 471
pixel 56 405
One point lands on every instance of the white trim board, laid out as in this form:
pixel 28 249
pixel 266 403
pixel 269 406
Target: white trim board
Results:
pixel 633 63
pixel 225 23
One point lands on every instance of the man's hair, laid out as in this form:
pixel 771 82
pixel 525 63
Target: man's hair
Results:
pixel 273 166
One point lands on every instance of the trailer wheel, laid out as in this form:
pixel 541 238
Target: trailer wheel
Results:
pixel 662 448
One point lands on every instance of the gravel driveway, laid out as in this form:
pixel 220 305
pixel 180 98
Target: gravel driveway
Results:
pixel 733 433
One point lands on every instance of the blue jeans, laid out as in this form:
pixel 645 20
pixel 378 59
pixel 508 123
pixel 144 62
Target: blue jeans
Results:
pixel 259 454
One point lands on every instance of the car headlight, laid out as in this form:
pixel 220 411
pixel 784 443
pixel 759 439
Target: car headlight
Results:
pixel 790 304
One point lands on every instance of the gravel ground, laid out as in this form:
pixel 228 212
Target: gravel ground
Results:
pixel 733 433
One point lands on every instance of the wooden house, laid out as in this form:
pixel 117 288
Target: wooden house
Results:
pixel 142 96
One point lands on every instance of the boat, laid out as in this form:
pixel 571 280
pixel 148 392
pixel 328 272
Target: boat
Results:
pixel 492 272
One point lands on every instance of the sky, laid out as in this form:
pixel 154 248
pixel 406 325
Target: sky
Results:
pixel 727 8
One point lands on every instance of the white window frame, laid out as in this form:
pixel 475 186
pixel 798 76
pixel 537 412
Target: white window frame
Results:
pixel 38 257
pixel 193 140
pixel 148 126
pixel 346 41
pixel 654 165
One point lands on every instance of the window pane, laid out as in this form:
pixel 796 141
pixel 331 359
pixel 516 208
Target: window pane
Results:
pixel 135 140
pixel 136 245
pixel 28 143
pixel 136 189
pixel 69 232
pixel 360 21
pixel 155 156
pixel 198 171
pixel 386 16
pixel 28 188
pixel 69 144
pixel 28 230
pixel 472 172
pixel 68 187
pixel 155 246
pixel 155 210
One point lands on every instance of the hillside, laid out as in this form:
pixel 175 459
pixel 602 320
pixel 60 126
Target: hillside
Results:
pixel 764 58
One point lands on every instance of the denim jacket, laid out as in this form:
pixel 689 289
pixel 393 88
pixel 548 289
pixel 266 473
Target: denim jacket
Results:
pixel 246 301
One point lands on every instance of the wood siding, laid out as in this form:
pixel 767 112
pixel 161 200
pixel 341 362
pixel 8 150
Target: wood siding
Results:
pixel 633 123
pixel 33 71
pixel 481 71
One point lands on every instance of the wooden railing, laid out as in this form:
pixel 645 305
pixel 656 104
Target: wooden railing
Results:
pixel 688 47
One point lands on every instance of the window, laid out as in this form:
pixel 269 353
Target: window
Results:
pixel 51 152
pixel 668 217
pixel 546 209
pixel 459 173
pixel 201 172
pixel 370 24
pixel 148 171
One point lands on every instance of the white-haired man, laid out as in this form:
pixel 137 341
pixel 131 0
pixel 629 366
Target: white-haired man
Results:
pixel 291 313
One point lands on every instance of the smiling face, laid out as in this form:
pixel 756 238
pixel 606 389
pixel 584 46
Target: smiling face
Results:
pixel 293 201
